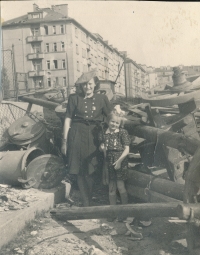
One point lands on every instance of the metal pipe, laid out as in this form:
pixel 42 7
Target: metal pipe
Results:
pixel 40 102
pixel 160 136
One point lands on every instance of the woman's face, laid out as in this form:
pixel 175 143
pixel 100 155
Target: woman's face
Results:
pixel 114 123
pixel 88 88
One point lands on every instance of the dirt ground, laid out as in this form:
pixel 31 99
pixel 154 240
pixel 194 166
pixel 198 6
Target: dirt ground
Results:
pixel 47 236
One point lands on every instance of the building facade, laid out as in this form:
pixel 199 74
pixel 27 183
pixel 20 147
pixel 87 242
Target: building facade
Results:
pixel 136 78
pixel 54 49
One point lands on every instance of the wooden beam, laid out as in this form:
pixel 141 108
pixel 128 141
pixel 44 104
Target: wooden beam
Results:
pixel 141 211
pixel 162 186
pixel 184 211
pixel 149 195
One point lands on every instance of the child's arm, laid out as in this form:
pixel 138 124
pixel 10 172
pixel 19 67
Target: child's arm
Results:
pixel 117 163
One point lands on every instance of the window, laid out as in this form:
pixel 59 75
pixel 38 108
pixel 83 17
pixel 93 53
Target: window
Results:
pixel 49 82
pixel 118 67
pixel 35 31
pixel 83 37
pixel 56 82
pixel 46 30
pixel 47 47
pixel 61 29
pixel 64 81
pixel 63 64
pixel 77 51
pixel 55 46
pixel 36 48
pixel 76 31
pixel 62 46
pixel 37 65
pixel 84 68
pixel 36 16
pixel 55 62
pixel 83 53
pixel 78 66
pixel 38 83
pixel 54 30
pixel 91 43
pixel 48 64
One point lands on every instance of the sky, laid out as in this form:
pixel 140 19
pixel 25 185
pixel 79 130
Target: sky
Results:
pixel 153 33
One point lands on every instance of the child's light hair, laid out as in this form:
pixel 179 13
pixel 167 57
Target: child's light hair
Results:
pixel 115 114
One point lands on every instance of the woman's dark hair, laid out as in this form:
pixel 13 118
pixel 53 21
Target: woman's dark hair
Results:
pixel 79 89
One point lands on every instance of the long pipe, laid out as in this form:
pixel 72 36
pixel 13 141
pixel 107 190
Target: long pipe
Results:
pixel 167 138
pixel 141 211
pixel 40 102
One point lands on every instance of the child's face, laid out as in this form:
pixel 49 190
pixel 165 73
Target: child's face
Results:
pixel 114 123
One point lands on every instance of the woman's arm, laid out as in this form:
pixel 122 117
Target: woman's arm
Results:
pixel 117 163
pixel 67 124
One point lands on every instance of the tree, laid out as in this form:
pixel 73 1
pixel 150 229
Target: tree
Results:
pixel 5 83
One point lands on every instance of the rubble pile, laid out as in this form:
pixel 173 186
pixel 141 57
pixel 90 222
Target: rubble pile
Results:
pixel 12 198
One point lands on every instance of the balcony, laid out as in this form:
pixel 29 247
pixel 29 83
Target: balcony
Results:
pixel 89 62
pixel 32 56
pixel 31 39
pixel 36 73
pixel 106 69
pixel 88 47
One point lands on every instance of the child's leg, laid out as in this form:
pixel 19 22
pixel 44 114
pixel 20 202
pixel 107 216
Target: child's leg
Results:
pixel 112 192
pixel 122 191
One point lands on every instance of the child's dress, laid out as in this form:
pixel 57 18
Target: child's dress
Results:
pixel 114 143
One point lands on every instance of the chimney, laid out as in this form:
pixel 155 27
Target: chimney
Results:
pixel 35 7
pixel 61 8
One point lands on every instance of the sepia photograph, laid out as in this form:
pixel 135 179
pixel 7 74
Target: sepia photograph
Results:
pixel 100 128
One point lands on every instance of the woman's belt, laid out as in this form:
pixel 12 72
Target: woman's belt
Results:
pixel 87 122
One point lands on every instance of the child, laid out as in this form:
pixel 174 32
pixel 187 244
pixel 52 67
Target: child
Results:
pixel 115 145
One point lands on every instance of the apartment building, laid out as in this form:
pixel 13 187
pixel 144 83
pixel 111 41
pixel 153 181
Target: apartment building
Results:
pixel 55 49
pixel 136 78
pixel 151 77
pixel 165 73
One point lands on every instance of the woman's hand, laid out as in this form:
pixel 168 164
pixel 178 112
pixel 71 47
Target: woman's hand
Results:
pixel 64 148
pixel 117 164
pixel 102 147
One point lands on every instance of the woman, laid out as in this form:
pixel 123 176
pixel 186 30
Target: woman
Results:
pixel 85 113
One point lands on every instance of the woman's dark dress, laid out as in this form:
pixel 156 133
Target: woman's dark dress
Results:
pixel 86 114
pixel 114 143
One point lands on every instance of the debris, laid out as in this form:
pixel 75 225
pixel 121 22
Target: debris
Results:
pixel 113 233
pixel 95 251
pixel 134 238
pixel 96 221
pixel 122 249
pixel 33 233
pixel 128 233
pixel 145 223
pixel 182 242
pixel 20 252
pixel 178 221
pixel 133 232
pixel 106 226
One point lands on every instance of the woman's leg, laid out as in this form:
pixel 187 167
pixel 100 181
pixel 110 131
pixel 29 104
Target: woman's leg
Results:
pixel 83 187
pixel 90 182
